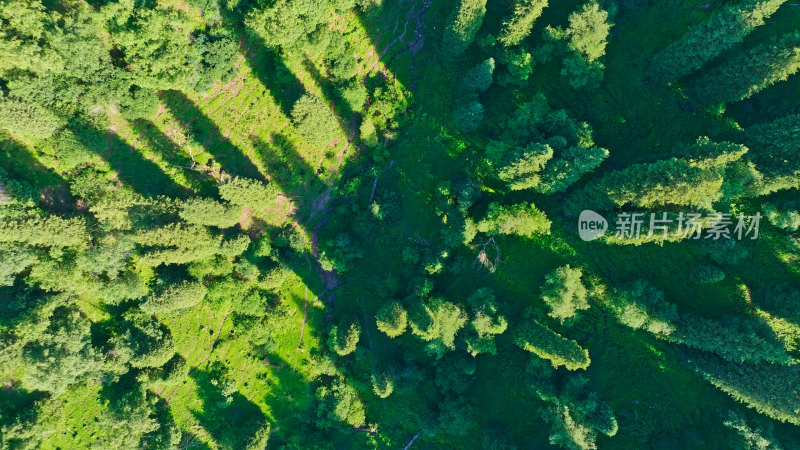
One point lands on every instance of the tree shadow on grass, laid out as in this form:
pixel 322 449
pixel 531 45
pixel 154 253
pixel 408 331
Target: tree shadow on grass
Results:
pixel 207 133
pixel 294 176
pixel 267 63
pixel 232 421
pixel 271 70
pixel 18 405
pixel 133 169
pixel 204 184
pixel 333 97
pixel 22 165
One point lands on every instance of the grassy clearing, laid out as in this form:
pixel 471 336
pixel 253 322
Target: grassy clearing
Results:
pixel 244 127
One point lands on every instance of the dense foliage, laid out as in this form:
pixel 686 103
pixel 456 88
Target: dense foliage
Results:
pixel 363 224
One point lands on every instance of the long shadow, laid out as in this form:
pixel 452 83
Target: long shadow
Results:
pixel 141 174
pixel 232 421
pixel 267 63
pixel 206 131
pixel 290 171
pixel 129 393
pixel 333 97
pixel 293 174
pixel 204 184
pixel 19 407
pixel 22 165
pixel 273 73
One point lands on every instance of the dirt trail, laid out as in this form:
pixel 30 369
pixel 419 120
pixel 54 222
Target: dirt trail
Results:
pixel 302 331
pixel 414 439
pixel 305 316
pixel 319 205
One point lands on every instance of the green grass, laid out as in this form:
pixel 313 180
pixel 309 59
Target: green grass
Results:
pixel 242 127
pixel 654 396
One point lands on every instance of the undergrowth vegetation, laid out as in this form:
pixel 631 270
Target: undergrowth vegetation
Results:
pixel 357 224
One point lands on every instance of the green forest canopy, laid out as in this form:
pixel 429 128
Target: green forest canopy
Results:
pixel 355 224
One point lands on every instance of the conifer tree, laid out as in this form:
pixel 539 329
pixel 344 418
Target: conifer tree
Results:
pixel 518 26
pixel 437 322
pixel 174 297
pixel 750 73
pixel 462 27
pixel 588 31
pixel 392 319
pixel 704 41
pixel 344 337
pixel 45 231
pixel 143 342
pixel 28 119
pixel 486 323
pixel 157 44
pixel 770 389
pixel 586 36
pixel 478 78
pixel 641 305
pixel 249 193
pixel 666 182
pixel 286 23
pixel 205 211
pixel 564 293
pixel 520 219
pixel 61 354
pixel 735 340
pixel 314 120
pixel 547 344
pixel 773 150
pixel 341 403
pixel 383 384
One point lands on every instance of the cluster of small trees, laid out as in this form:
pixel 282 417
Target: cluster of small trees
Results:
pixel 142 260
pixel 291 24
pixel 738 355
pixel 575 413
pixel 543 149
pixel 739 77
pixel 741 339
